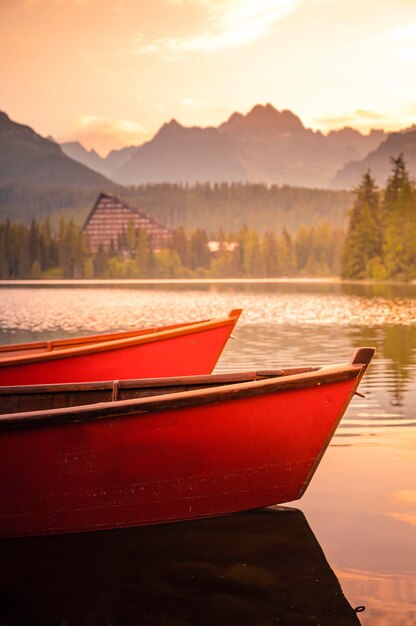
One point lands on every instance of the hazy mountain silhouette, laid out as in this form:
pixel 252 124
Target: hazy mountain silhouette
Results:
pixel 76 151
pixel 275 147
pixel 37 178
pixel 103 165
pixel 27 157
pixel 180 154
pixel 117 158
pixel 265 145
pixel 378 161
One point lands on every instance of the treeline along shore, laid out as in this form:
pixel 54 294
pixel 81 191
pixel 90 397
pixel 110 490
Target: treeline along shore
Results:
pixel 379 244
pixel 37 251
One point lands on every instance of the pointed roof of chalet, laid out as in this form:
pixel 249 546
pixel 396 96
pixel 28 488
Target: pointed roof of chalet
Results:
pixel 108 196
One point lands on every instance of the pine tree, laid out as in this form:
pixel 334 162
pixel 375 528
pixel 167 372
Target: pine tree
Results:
pixel 363 242
pixel 399 209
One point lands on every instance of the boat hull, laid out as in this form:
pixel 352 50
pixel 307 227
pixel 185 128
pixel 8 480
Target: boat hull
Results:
pixel 171 464
pixel 191 349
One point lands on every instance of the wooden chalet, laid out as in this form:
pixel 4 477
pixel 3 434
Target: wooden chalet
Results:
pixel 110 217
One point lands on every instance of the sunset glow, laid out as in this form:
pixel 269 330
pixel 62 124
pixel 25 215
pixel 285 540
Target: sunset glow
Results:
pixel 110 73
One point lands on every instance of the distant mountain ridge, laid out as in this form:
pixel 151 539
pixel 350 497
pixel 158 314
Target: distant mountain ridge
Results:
pixel 264 145
pixel 27 157
pixel 35 172
pixel 378 161
pixel 38 177
pixel 179 154
pixel 90 158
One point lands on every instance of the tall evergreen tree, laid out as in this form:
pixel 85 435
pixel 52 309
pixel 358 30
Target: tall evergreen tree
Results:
pixel 397 182
pixel 364 237
pixel 399 208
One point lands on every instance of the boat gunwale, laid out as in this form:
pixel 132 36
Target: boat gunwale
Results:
pixel 149 383
pixel 59 344
pixel 188 328
pixel 184 399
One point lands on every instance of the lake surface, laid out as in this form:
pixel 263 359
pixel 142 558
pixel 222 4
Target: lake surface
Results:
pixel 360 507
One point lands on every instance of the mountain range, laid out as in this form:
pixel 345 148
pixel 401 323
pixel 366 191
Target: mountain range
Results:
pixel 379 161
pixel 38 176
pixel 265 145
pixel 27 157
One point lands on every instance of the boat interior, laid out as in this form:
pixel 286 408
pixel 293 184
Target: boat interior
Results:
pixel 18 399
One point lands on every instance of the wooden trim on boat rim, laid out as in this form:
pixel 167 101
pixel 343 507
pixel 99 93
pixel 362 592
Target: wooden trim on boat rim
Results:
pixel 103 346
pixel 59 344
pixel 177 400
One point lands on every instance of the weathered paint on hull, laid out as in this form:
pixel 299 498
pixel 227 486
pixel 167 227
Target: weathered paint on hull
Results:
pixel 168 465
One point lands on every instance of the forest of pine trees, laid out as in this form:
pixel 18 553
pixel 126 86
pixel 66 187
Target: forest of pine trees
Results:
pixel 381 239
pixel 380 244
pixel 206 205
pixel 37 251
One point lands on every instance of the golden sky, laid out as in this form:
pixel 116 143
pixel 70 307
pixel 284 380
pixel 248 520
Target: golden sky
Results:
pixel 111 72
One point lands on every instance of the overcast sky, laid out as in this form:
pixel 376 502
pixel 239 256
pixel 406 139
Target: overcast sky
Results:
pixel 111 72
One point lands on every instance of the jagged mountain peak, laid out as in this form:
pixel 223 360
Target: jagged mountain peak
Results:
pixel 264 117
pixel 172 125
pixel 77 145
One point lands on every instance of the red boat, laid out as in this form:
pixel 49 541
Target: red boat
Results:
pixel 181 349
pixel 169 449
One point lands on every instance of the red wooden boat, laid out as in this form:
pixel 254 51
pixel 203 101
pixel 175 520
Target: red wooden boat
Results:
pixel 170 449
pixel 181 349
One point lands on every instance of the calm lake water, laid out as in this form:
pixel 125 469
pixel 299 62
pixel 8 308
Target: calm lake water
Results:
pixel 358 516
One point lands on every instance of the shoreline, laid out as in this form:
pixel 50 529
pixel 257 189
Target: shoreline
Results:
pixel 161 281
pixel 108 282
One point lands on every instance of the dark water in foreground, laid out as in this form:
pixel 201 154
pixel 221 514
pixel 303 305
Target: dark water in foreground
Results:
pixel 357 529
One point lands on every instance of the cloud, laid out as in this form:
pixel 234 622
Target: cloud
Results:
pixel 365 119
pixel 404 33
pixel 404 517
pixel 103 134
pixel 350 118
pixel 190 103
pixel 404 42
pixel 407 496
pixel 228 24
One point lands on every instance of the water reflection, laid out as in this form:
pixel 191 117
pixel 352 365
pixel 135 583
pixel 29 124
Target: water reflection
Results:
pixel 94 310
pixel 283 324
pixel 264 567
pixel 361 502
pixel 396 350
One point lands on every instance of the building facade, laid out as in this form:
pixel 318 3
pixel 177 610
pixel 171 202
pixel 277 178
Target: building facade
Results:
pixel 110 217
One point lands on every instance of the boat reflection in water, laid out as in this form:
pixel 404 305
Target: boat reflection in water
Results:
pixel 262 567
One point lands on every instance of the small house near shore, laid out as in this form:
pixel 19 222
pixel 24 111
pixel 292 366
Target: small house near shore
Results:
pixel 110 217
